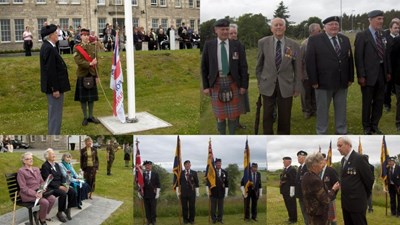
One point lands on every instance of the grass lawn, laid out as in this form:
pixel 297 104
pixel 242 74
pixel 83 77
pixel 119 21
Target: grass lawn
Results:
pixel 118 186
pixel 167 86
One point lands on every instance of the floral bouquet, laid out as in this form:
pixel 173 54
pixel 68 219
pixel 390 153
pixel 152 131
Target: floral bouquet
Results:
pixel 43 187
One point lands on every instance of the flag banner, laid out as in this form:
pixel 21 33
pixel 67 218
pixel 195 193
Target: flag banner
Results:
pixel 116 81
pixel 247 179
pixel 329 155
pixel 384 161
pixel 210 170
pixel 138 170
pixel 360 150
pixel 177 169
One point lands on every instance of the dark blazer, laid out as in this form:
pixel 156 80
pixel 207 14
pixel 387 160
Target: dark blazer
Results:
pixel 395 176
pixel 256 186
pixel 53 70
pixel 287 179
pixel 330 178
pixel 84 158
pixel 221 183
pixel 356 184
pixel 395 59
pixel 325 67
pixel 58 178
pixel 366 58
pixel 299 179
pixel 189 186
pixel 237 64
pixel 150 188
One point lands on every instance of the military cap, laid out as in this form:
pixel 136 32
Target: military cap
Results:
pixel 147 162
pixel 286 158
pixel 187 161
pixel 221 23
pixel 391 158
pixel 254 164
pixel 375 13
pixel 49 29
pixel 330 19
pixel 302 153
pixel 217 160
pixel 85 30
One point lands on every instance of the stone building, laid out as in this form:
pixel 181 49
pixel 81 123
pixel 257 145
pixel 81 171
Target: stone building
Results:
pixel 15 15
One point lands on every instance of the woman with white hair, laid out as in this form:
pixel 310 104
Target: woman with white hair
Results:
pixel 316 196
pixel 29 180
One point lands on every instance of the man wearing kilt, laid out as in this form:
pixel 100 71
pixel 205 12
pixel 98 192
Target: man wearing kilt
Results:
pixel 225 77
pixel 86 84
pixel 329 176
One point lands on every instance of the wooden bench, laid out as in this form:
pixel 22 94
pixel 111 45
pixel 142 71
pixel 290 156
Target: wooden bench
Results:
pixel 12 184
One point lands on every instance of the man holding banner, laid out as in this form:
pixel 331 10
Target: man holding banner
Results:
pixel 218 192
pixel 251 193
pixel 189 190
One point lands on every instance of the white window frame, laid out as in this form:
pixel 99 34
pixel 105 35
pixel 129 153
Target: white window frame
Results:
pixel 4 2
pixel 75 2
pixel 62 2
pixel 118 2
pixel 41 2
pixel 8 31
pixel 101 2
pixel 21 30
pixel 153 2
pixel 18 2
pixel 166 24
pixel 43 138
pixel 32 138
pixel 134 2
pixel 163 3
pixel 191 6
pixel 101 25
pixel 178 3
pixel 135 21
pixel 152 23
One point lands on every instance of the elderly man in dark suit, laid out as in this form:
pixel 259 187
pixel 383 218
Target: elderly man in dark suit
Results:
pixel 53 78
pixel 151 192
pixel 189 190
pixel 394 186
pixel 278 74
pixel 253 193
pixel 395 66
pixel 356 183
pixel 301 157
pixel 58 185
pixel 329 61
pixel 329 176
pixel 287 186
pixel 225 77
pixel 373 71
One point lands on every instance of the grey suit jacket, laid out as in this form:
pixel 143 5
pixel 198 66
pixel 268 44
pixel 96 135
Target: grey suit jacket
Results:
pixel 289 72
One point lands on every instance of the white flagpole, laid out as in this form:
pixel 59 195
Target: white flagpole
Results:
pixel 130 62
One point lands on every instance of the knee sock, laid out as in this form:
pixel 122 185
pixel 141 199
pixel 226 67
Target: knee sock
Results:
pixel 83 106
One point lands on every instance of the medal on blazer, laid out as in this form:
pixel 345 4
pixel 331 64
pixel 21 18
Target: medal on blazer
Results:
pixel 235 56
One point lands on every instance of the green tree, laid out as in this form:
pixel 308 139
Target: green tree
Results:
pixel 282 12
pixel 251 28
pixel 165 181
pixel 206 32
pixel 233 173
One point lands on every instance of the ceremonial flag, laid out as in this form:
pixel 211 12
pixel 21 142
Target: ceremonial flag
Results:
pixel 210 170
pixel 247 179
pixel 329 156
pixel 177 169
pixel 384 161
pixel 116 84
pixel 138 170
pixel 360 150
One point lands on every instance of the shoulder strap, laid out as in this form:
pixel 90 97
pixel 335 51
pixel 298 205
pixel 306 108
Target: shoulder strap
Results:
pixel 84 53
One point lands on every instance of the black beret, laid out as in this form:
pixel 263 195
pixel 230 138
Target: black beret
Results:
pixel 147 162
pixel 221 23
pixel 391 158
pixel 187 161
pixel 375 13
pixel 286 158
pixel 217 160
pixel 49 29
pixel 254 165
pixel 302 153
pixel 330 19
pixel 324 155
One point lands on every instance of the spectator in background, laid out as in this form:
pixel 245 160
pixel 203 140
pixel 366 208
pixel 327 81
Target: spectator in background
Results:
pixel 162 40
pixel 137 38
pixel 182 30
pixel 372 168
pixel 89 161
pixel 127 154
pixel 28 44
pixel 71 38
pixel 329 176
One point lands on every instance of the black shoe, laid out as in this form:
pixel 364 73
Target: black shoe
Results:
pixel 370 210
pixel 68 213
pixel 60 217
pixel 377 131
pixel 43 223
pixel 255 219
pixel 108 174
pixel 93 120
pixel 367 131
pixel 85 122
pixel 79 207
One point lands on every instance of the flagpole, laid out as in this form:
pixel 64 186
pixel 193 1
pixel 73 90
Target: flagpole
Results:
pixel 179 181
pixel 130 62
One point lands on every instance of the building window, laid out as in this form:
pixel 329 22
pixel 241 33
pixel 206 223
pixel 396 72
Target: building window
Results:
pixel 135 22
pixel 178 23
pixel 164 24
pixel 41 22
pixel 18 1
pixel 75 2
pixel 57 137
pixel 192 24
pixel 198 3
pixel 101 24
pixel 40 1
pixel 33 138
pixel 4 1
pixel 118 2
pixel 135 2
pixel 64 23
pixel 62 2
pixel 154 23
pixel 44 138
pixel 154 2
pixel 163 3
pixel 76 22
pixel 5 30
pixel 178 3
pixel 191 5
pixel 101 2
pixel 19 29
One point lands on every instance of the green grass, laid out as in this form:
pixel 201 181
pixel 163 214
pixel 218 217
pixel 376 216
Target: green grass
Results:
pixel 299 125
pixel 167 86
pixel 118 187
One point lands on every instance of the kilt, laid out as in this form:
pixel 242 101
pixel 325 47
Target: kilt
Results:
pixel 83 94
pixel 332 211
pixel 226 110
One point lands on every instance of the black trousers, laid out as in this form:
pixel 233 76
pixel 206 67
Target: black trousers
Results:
pixel 389 89
pixel 253 198
pixel 150 205
pixel 62 198
pixel 394 200
pixel 397 105
pixel 372 102
pixel 109 165
pixel 291 207
pixel 188 208
pixel 353 218
pixel 308 102
pixel 217 203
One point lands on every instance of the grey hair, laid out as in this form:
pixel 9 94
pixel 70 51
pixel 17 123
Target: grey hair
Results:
pixel 346 140
pixel 25 154
pixel 314 159
pixel 284 21
pixel 46 153
pixel 65 155
pixel 88 138
pixel 233 25
pixel 45 38
pixel 312 27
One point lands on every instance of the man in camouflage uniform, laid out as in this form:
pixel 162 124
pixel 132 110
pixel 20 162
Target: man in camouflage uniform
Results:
pixel 111 149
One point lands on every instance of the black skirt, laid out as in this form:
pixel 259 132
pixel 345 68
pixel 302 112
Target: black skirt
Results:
pixel 83 94
pixel 127 157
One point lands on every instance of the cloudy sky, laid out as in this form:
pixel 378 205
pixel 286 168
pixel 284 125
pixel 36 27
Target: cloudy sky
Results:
pixel 299 10
pixel 280 146
pixel 161 149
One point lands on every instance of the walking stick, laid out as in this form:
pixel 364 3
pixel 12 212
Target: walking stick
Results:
pixel 15 206
pixel 180 210
pixel 258 112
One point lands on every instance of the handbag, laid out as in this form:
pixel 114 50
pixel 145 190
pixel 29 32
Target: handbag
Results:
pixel 88 82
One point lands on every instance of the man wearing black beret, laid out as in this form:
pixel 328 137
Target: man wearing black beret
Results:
pixel 393 177
pixel 287 188
pixel 54 79
pixel 301 157
pixel 373 70
pixel 225 77
pixel 151 192
pixel 254 192
pixel 329 62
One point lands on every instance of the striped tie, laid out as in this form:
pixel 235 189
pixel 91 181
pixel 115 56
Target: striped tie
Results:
pixel 337 47
pixel 278 55
pixel 379 45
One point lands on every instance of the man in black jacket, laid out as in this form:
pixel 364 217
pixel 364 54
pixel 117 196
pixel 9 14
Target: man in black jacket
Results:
pixel 329 176
pixel 218 193
pixel 253 193
pixel 53 78
pixel 301 157
pixel 394 186
pixel 151 192
pixel 287 188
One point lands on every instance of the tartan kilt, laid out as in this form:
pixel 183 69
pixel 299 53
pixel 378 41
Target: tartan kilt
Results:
pixel 332 210
pixel 83 94
pixel 226 110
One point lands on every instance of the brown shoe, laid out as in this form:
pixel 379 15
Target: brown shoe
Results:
pixel 61 218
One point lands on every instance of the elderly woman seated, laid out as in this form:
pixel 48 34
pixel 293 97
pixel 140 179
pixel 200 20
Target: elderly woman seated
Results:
pixel 29 180
pixel 316 196
pixel 76 180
